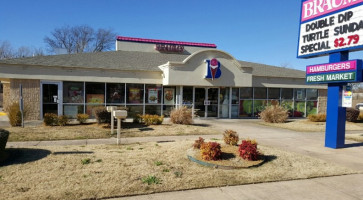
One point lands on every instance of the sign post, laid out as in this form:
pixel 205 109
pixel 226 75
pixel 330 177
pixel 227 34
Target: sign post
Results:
pixel 332 28
pixel 335 114
pixel 21 104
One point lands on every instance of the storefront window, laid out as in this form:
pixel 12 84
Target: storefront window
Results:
pixel 169 95
pixel 300 94
pixel 260 93
pixel 288 105
pixel 134 110
pixel 167 110
pixel 72 110
pixel 311 107
pixel 287 93
pixel 153 109
pixel 299 110
pixel 115 93
pixel 246 93
pixel 224 102
pixel 73 92
pixel 153 94
pixel 234 111
pixel 311 94
pixel 90 109
pixel 273 103
pixel 274 93
pixel 245 109
pixel 187 95
pixel 235 95
pixel 95 93
pixel 259 106
pixel 135 93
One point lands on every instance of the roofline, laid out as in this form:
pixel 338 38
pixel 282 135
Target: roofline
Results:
pixel 156 41
pixel 203 51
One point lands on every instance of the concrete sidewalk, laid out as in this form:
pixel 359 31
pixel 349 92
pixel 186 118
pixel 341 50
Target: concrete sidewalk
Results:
pixel 347 187
pixel 311 144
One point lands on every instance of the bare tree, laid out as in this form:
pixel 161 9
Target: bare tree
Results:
pixel 6 51
pixel 104 40
pixel 79 39
pixel 22 52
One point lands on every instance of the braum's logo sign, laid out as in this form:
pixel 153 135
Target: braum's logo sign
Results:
pixel 213 69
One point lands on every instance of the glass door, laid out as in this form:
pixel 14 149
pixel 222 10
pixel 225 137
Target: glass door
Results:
pixel 199 102
pixel 206 102
pixel 224 103
pixel 51 98
pixel 212 104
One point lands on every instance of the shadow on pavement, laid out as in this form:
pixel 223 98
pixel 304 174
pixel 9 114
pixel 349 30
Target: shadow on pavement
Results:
pixel 353 145
pixel 23 155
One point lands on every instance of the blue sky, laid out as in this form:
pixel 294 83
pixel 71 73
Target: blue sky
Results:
pixel 262 31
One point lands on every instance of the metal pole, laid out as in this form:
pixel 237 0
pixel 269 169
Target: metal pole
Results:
pixel 118 130
pixel 112 121
pixel 21 105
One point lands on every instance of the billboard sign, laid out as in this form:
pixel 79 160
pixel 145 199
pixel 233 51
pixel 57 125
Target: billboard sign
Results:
pixel 329 26
pixel 346 71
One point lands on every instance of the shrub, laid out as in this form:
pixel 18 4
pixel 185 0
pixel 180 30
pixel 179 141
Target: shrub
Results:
pixel 317 117
pixel 360 117
pixel 102 116
pixel 198 143
pixel 86 161
pixel 82 118
pixel 151 180
pixel 182 115
pixel 14 114
pixel 151 119
pixel 230 137
pixel 274 114
pixel 50 119
pixel 63 120
pixel 248 150
pixel 352 114
pixel 210 151
pixel 137 119
pixel 4 135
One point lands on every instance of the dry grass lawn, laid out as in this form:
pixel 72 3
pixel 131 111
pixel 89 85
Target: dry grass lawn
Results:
pixel 57 172
pixel 95 131
pixel 355 137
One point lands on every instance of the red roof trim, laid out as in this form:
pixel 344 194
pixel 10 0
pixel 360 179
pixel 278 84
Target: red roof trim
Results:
pixel 143 40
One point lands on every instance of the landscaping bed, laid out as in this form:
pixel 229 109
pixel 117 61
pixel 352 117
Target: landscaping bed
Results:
pixel 96 131
pixel 229 159
pixel 100 171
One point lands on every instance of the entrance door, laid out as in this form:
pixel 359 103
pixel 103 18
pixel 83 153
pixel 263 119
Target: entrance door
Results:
pixel 199 102
pixel 212 106
pixel 206 102
pixel 51 98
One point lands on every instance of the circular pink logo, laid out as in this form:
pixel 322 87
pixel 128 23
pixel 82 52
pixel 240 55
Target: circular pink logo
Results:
pixel 214 62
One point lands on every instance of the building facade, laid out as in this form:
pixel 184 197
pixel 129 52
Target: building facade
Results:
pixel 154 76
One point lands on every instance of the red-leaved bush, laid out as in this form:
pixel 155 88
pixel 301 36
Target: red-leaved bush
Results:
pixel 210 151
pixel 198 143
pixel 248 150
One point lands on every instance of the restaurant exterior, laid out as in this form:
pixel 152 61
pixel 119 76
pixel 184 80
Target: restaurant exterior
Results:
pixel 153 77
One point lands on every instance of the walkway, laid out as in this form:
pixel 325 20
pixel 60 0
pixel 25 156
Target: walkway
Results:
pixel 311 144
